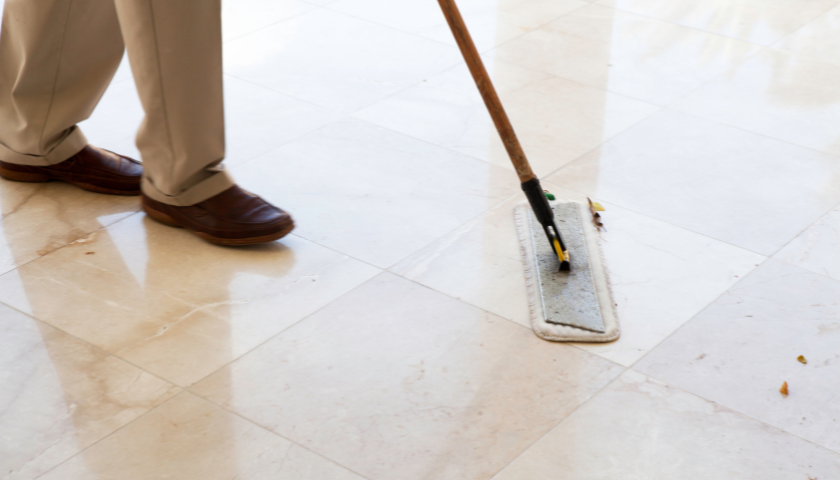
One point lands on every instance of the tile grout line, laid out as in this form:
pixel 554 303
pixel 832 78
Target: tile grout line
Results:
pixel 380 271
pixel 758 134
pixel 541 26
pixel 665 222
pixel 746 58
pixel 412 85
pixel 308 102
pixel 574 189
pixel 281 332
pixel 373 23
pixel 675 387
pixel 668 106
pixel 585 402
pixel 710 32
pixel 507 167
pixel 449 69
pixel 738 412
pixel 805 55
pixel 466 14
pixel 701 310
pixel 293 442
pixel 240 36
pixel 693 318
pixel 590 354
pixel 115 355
pixel 110 434
pixel 818 220
pixel 91 345
pixel 243 35
pixel 101 228
pixel 189 387
pixel 174 397
pixel 801 27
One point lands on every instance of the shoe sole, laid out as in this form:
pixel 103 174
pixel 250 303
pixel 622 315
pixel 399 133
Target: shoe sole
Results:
pixel 30 177
pixel 168 220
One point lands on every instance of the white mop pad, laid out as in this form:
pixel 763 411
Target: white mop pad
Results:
pixel 585 298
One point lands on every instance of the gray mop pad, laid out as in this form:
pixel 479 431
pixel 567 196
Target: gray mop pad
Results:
pixel 574 306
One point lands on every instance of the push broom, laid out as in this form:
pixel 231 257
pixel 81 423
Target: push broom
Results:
pixel 530 182
pixel 574 305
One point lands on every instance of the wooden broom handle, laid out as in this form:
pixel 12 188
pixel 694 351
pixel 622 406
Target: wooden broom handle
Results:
pixel 488 92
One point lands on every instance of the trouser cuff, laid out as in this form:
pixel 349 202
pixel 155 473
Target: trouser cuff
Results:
pixel 209 187
pixel 72 144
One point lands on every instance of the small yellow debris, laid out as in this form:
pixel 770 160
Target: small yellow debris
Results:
pixel 784 389
pixel 597 207
pixel 802 360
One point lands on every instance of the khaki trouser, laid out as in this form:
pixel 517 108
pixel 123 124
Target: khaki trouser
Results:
pixel 57 57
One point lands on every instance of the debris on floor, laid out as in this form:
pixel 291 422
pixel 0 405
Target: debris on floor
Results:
pixel 594 208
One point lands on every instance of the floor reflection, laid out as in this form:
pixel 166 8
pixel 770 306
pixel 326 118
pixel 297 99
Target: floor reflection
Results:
pixel 149 294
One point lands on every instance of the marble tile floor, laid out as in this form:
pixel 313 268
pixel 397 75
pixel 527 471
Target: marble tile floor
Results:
pixel 388 337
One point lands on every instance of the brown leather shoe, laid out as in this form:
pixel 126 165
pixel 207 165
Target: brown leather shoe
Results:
pixel 92 169
pixel 233 217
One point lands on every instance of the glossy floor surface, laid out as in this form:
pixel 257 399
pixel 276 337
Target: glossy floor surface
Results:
pixel 388 337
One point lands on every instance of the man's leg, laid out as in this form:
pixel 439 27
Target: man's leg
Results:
pixel 57 57
pixel 175 50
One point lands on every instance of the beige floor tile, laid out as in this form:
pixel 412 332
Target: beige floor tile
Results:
pixel 818 248
pixel 37 218
pixel 374 194
pixel 739 350
pixel 735 186
pixel 173 304
pixel 335 60
pixel 756 21
pixel 241 17
pixel 819 38
pixel 556 120
pixel 490 23
pixel 789 97
pixel 639 428
pixel 257 120
pixel 661 275
pixel 396 381
pixel 479 263
pixel 633 55
pixel 61 395
pixel 189 438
